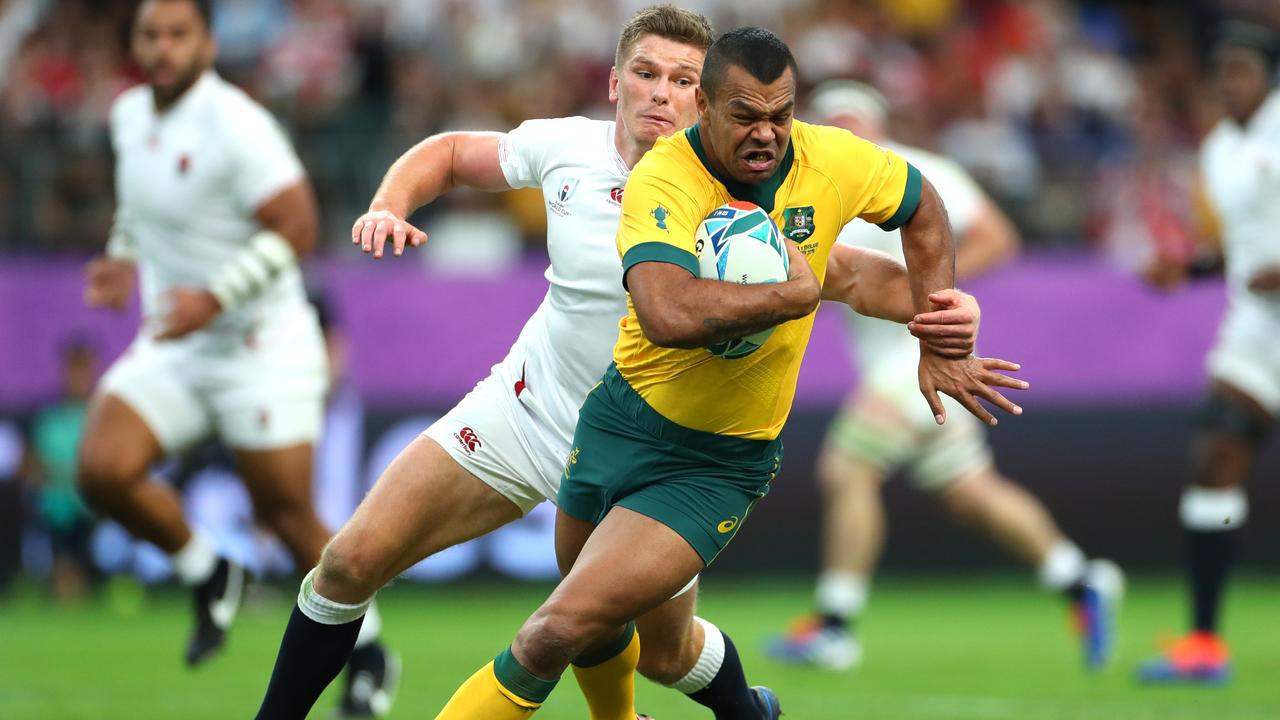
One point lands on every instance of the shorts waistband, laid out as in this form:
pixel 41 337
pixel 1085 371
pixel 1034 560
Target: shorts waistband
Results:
pixel 656 424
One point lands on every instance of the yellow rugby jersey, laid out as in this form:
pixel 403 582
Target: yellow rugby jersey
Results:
pixel 827 178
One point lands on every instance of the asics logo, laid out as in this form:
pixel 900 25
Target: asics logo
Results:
pixel 728 525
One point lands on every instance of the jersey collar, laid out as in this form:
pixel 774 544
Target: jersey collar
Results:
pixel 761 194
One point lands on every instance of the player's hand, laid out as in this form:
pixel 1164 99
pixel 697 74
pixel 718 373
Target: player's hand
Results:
pixel 966 380
pixel 108 283
pixel 951 328
pixel 1266 280
pixel 799 272
pixel 372 230
pixel 189 310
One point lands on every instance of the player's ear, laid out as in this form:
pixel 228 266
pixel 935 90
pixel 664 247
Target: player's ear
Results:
pixel 613 84
pixel 703 104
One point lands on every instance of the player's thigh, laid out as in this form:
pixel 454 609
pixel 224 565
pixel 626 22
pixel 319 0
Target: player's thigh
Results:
pixel 571 535
pixel 424 502
pixel 629 566
pixel 143 407
pixel 278 479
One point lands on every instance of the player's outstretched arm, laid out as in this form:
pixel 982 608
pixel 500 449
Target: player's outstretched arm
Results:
pixel 679 310
pixel 424 173
pixel 876 284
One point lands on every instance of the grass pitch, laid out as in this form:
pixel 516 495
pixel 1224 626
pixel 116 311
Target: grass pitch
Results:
pixel 951 648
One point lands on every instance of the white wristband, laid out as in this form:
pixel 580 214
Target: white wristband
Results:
pixel 262 260
pixel 119 245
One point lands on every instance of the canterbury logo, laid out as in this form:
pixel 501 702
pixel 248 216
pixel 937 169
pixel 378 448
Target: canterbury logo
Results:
pixel 468 438
pixel 728 525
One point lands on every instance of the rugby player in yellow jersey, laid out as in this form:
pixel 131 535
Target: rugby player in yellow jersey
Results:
pixel 674 446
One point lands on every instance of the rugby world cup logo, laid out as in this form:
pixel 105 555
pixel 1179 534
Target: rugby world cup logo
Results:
pixel 567 186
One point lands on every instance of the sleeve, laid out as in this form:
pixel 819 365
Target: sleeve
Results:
pixel 523 152
pixel 877 185
pixel 264 160
pixel 659 219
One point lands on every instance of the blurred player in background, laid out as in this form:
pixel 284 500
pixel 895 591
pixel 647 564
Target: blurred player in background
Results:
pixel 502 449
pixel 214 209
pixel 883 428
pixel 1238 162
pixel 674 447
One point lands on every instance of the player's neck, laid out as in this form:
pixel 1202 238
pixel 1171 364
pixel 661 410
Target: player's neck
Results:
pixel 164 104
pixel 629 148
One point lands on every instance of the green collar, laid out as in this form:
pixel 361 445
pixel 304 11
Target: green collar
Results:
pixel 761 194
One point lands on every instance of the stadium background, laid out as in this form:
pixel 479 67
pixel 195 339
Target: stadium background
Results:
pixel 1081 120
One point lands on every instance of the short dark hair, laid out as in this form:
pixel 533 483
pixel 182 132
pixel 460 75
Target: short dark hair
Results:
pixel 203 7
pixel 1245 35
pixel 756 50
pixel 665 21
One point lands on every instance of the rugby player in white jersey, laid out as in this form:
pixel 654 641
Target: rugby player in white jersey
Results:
pixel 1238 163
pixel 502 449
pixel 213 210
pixel 882 429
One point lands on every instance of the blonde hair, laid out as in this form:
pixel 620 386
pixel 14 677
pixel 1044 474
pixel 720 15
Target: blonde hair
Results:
pixel 665 21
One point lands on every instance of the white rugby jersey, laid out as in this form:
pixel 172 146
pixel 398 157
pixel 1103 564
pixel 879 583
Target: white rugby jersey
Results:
pixel 1241 169
pixel 188 182
pixel 885 350
pixel 565 346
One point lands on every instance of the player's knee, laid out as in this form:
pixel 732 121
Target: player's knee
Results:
pixel 1230 430
pixel 964 500
pixel 348 570
pixel 560 631
pixel 103 472
pixel 836 475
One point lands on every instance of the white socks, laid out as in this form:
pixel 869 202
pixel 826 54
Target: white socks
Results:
pixel 195 562
pixel 325 611
pixel 1064 566
pixel 708 664
pixel 371 628
pixel 1213 509
pixel 841 594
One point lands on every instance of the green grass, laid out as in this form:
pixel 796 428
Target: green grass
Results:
pixel 958 648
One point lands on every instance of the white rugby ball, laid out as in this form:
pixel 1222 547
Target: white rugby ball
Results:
pixel 739 243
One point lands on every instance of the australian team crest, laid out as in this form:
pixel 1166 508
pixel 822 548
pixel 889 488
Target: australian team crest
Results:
pixel 797 222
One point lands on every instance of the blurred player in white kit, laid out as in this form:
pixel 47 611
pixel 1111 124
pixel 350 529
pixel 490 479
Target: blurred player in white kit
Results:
pixel 213 209
pixel 883 428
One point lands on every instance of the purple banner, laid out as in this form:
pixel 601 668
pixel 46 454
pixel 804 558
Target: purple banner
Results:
pixel 1084 333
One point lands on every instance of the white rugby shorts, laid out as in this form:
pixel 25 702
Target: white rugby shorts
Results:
pixel 500 436
pixel 256 390
pixel 1246 355
pixel 888 425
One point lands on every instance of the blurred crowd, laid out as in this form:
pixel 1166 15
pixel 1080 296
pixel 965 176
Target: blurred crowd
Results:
pixel 1081 119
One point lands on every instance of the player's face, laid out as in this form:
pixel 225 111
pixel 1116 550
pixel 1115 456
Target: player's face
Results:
pixel 172 46
pixel 654 88
pixel 748 124
pixel 1242 81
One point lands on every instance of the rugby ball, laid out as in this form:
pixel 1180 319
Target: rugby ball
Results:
pixel 739 243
